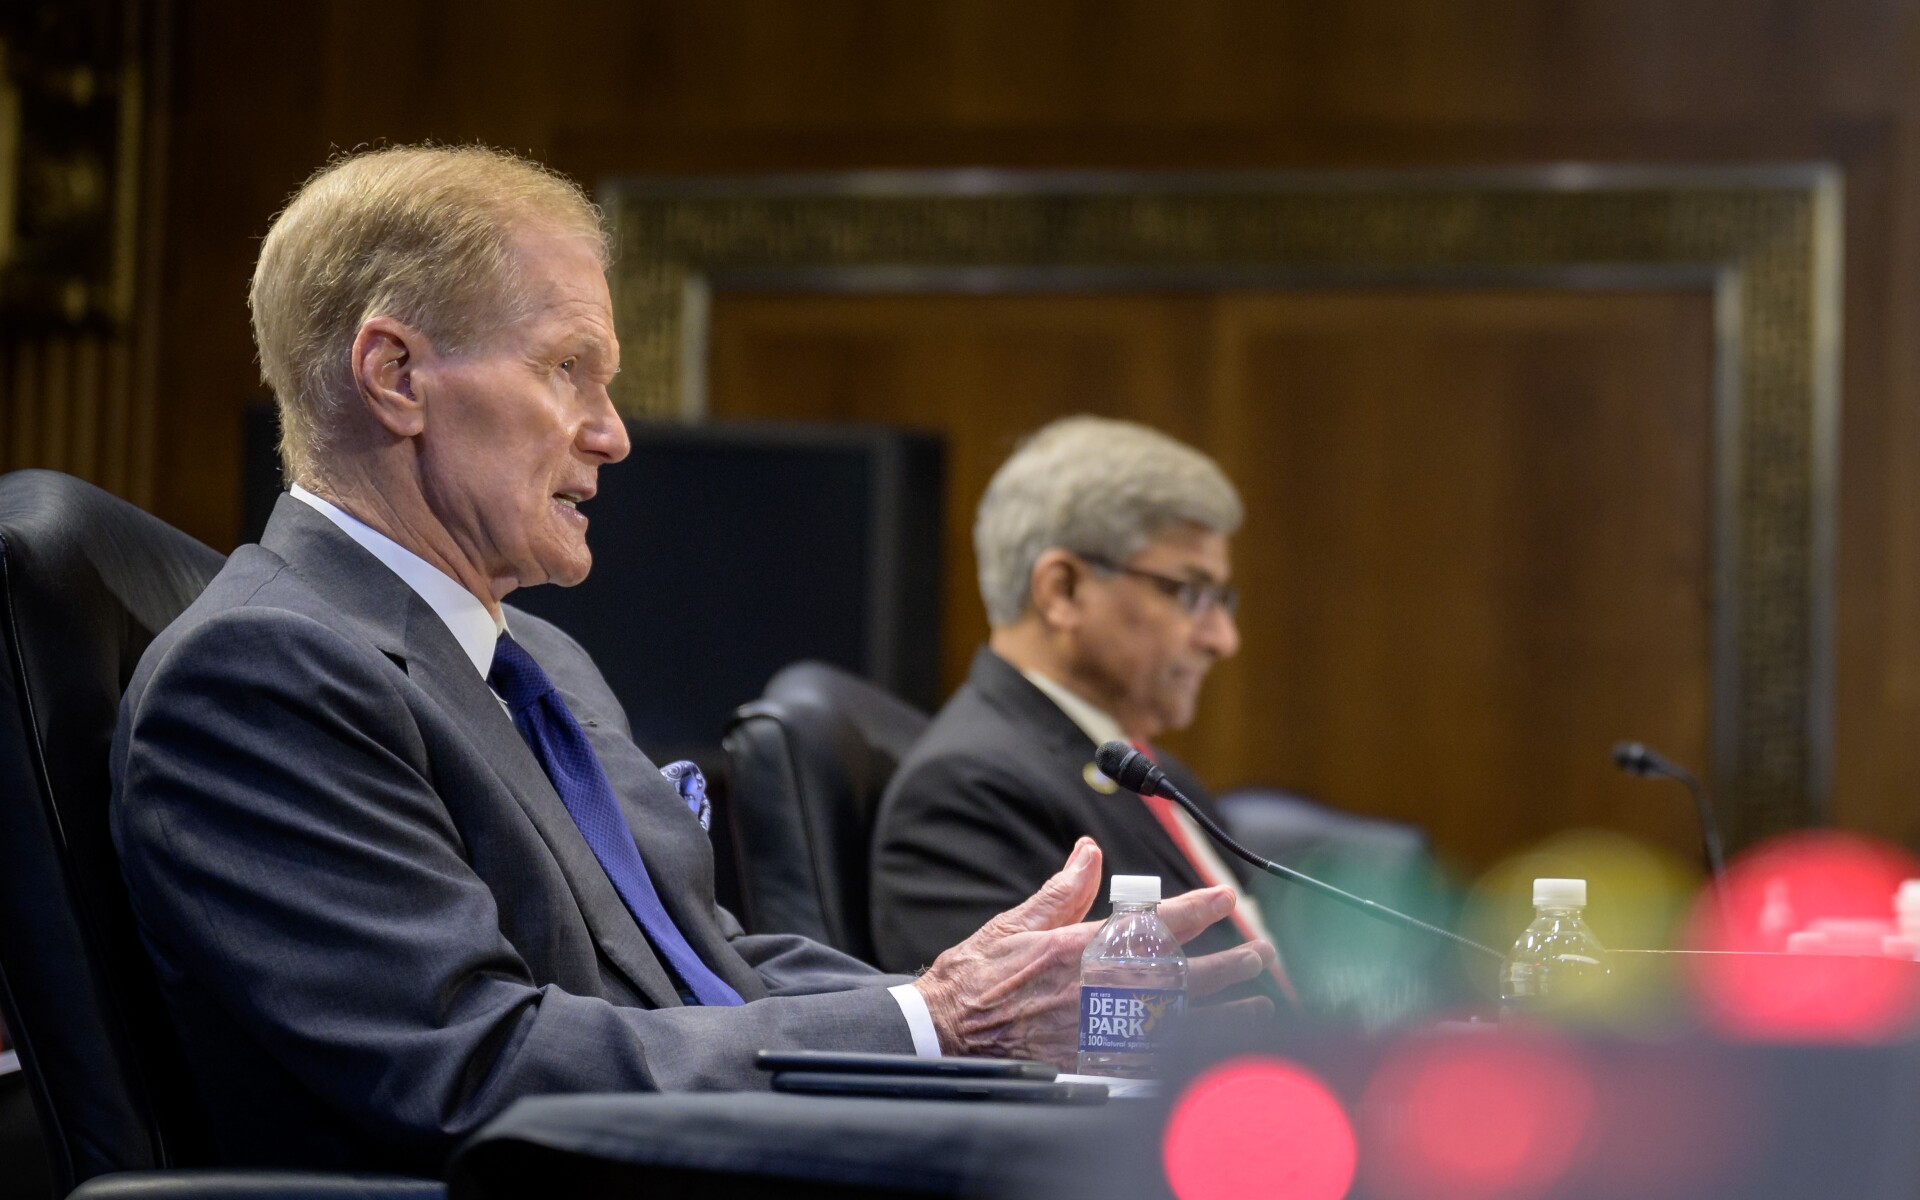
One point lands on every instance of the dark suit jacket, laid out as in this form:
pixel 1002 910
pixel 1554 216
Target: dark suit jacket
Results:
pixel 373 921
pixel 989 803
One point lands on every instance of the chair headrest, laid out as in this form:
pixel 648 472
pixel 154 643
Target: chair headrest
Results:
pixel 87 581
pixel 825 700
pixel 810 760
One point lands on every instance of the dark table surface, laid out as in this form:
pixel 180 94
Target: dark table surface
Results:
pixel 634 1145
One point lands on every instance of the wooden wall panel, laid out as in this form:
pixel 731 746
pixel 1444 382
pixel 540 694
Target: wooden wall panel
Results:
pixel 1477 550
pixel 600 88
pixel 1481 557
pixel 72 402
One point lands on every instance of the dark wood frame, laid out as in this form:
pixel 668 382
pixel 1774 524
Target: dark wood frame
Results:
pixel 1766 241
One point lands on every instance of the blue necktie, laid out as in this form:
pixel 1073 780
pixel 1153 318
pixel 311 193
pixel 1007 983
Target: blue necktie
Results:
pixel 558 742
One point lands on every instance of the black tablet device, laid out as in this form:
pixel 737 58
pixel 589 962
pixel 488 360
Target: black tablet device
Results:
pixel 937 1087
pixel 850 1063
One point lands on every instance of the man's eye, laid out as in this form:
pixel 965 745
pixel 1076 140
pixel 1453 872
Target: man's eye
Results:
pixel 567 364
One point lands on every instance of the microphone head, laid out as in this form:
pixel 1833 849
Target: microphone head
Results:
pixel 1634 758
pixel 1129 768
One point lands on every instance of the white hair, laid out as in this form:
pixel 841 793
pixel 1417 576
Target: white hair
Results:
pixel 1094 486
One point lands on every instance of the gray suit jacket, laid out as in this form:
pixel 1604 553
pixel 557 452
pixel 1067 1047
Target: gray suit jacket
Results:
pixel 373 921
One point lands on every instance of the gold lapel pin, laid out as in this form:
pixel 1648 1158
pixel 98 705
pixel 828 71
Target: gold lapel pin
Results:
pixel 1098 782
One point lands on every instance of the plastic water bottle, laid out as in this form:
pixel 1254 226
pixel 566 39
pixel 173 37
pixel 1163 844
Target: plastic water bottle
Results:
pixel 1557 966
pixel 1133 983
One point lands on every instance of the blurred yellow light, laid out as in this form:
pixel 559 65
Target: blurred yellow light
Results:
pixel 1638 898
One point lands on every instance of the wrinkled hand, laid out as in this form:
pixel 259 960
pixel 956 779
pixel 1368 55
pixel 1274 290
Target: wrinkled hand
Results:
pixel 1012 990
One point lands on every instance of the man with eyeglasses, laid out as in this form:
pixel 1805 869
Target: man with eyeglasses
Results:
pixel 1104 566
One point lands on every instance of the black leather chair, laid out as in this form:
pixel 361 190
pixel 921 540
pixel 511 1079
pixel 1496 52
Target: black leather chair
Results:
pixel 86 581
pixel 807 763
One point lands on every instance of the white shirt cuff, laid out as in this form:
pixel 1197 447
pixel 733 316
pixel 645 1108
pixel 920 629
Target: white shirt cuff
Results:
pixel 913 1006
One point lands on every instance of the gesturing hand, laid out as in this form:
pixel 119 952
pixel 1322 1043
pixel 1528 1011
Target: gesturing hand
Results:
pixel 1012 990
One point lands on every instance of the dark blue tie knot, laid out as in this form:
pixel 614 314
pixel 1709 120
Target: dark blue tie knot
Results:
pixel 515 676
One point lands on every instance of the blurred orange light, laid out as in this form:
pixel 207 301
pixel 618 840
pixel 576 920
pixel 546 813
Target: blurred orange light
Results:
pixel 1478 1115
pixel 1258 1126
pixel 1748 989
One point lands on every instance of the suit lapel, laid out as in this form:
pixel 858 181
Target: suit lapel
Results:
pixel 674 847
pixel 1069 755
pixel 446 675
pixel 1002 685
pixel 407 630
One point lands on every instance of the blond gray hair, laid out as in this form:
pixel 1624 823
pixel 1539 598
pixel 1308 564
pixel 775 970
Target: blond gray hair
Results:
pixel 1094 486
pixel 422 234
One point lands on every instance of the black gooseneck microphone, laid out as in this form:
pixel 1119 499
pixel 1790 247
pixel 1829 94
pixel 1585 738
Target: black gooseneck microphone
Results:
pixel 1137 773
pixel 1645 763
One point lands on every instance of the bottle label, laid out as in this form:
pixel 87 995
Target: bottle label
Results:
pixel 1127 1020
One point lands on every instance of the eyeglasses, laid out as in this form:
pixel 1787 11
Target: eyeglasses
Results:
pixel 1197 599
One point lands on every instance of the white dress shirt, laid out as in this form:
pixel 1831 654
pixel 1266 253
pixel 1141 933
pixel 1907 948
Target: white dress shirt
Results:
pixel 477 631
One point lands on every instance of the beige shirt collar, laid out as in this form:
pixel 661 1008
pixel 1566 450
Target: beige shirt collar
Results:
pixel 1090 717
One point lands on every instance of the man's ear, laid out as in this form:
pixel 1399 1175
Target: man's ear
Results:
pixel 385 355
pixel 1054 588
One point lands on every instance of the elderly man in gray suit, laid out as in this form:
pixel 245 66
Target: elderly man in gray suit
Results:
pixel 393 851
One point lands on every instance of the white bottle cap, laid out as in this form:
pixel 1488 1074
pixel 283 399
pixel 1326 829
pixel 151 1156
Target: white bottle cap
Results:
pixel 1907 899
pixel 1134 889
pixel 1559 893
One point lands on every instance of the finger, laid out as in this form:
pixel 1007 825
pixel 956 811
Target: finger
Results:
pixel 1248 1010
pixel 1190 912
pixel 1210 973
pixel 1063 899
pixel 1269 956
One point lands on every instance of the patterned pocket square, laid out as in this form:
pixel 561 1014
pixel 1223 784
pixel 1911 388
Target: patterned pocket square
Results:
pixel 692 786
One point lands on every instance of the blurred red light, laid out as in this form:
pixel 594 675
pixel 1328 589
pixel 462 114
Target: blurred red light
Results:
pixel 1477 1115
pixel 1749 991
pixel 1258 1126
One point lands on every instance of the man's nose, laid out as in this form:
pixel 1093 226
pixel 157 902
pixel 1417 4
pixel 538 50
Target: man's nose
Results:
pixel 1217 633
pixel 605 433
